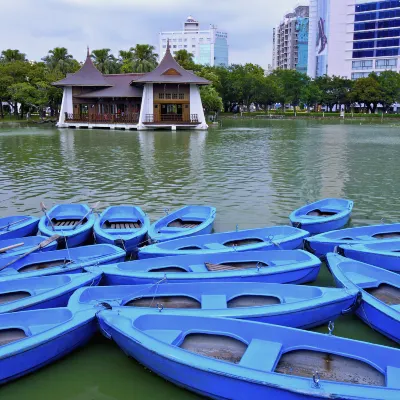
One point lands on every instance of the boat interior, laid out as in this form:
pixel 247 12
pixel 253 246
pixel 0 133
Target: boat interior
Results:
pixel 321 213
pixel 44 265
pixel 114 223
pixel 67 222
pixel 183 223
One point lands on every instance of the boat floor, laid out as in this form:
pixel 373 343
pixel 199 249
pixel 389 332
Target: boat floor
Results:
pixel 234 266
pixel 330 367
pixel 11 335
pixel 178 223
pixel 165 301
pixel 243 242
pixel 121 225
pixel 67 222
pixel 168 269
pixel 13 296
pixel 388 235
pixel 215 346
pixel 319 213
pixel 252 301
pixel 386 293
pixel 44 265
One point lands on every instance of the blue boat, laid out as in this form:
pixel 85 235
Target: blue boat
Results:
pixel 384 254
pixel 275 237
pixel 59 261
pixel 31 339
pixel 322 216
pixel 225 358
pixel 22 245
pixel 289 305
pixel 43 292
pixel 123 226
pixel 74 222
pixel 325 243
pixel 380 305
pixel 17 226
pixel 187 221
pixel 275 266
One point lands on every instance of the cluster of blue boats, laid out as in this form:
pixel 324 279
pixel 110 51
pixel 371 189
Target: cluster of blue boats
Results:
pixel 221 314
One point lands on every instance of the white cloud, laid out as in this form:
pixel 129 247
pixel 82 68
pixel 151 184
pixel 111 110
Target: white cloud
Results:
pixel 34 27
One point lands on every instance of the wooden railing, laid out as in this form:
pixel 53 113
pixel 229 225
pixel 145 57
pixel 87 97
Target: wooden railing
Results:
pixel 171 118
pixel 126 118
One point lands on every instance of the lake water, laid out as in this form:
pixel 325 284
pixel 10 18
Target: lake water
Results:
pixel 254 172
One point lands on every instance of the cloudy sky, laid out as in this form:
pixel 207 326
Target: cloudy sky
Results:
pixel 35 26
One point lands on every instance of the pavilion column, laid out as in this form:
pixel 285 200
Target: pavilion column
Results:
pixel 66 105
pixel 196 106
pixel 147 105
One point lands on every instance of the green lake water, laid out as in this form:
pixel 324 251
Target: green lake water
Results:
pixel 254 172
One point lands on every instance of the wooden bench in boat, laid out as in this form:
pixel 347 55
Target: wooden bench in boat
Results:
pixel 261 355
pixel 186 224
pixel 67 222
pixel 122 225
pixel 233 266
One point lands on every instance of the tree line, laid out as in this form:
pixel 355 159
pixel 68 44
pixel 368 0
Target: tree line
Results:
pixel 30 83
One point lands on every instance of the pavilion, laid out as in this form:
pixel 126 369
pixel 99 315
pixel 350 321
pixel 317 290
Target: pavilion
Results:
pixel 167 97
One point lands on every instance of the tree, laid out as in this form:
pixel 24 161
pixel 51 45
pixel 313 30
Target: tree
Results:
pixel 311 94
pixel 12 55
pixel 185 59
pixel 105 62
pixel 58 59
pixel 389 82
pixel 211 99
pixel 367 92
pixel 125 60
pixel 144 59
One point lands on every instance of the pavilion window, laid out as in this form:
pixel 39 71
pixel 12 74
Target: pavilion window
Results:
pixel 161 96
pixel 181 96
pixel 174 96
pixel 168 96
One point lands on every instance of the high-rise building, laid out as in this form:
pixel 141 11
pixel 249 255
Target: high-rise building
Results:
pixel 209 47
pixel 290 41
pixel 353 38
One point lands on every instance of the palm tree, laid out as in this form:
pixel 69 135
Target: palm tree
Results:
pixel 12 55
pixel 125 60
pixel 144 59
pixel 58 59
pixel 184 59
pixel 105 62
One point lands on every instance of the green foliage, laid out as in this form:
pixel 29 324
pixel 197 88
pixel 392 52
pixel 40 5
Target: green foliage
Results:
pixel 58 60
pixel 12 55
pixel 211 99
pixel 185 59
pixel 143 58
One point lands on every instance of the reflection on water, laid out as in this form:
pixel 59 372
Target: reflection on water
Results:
pixel 254 172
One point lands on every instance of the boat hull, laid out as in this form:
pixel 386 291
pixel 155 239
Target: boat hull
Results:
pixel 25 228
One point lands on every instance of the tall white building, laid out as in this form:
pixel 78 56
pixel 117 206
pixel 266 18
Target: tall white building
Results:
pixel 353 38
pixel 290 41
pixel 209 47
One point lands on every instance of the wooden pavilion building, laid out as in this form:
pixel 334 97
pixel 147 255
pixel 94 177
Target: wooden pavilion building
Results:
pixel 167 97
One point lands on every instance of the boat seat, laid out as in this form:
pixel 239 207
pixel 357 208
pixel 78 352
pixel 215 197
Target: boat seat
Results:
pixel 213 301
pixel 361 280
pixel 192 217
pixel 36 329
pixel 261 355
pixel 393 377
pixel 363 237
pixel 163 335
pixel 214 246
pixel 396 307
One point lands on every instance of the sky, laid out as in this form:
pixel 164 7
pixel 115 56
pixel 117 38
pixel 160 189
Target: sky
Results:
pixel 36 26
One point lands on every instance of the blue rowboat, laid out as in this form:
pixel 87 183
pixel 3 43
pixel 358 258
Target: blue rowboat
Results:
pixel 288 305
pixel 18 226
pixel 65 218
pixel 43 292
pixel 325 243
pixel 59 261
pixel 384 254
pixel 226 358
pixel 275 266
pixel 123 226
pixel 187 221
pixel 27 243
pixel 380 289
pixel 322 216
pixel 31 339
pixel 274 237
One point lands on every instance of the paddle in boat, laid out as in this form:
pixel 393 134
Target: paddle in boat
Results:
pixel 17 226
pixel 325 243
pixel 18 246
pixel 380 289
pixel 187 221
pixel 58 261
pixel 290 305
pixel 43 292
pixel 124 226
pixel 322 216
pixel 225 358
pixel 274 266
pixel 31 339
pixel 74 222
pixel 384 254
pixel 275 237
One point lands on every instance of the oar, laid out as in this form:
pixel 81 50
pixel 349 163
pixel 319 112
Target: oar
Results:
pixel 14 223
pixel 51 239
pixel 44 209
pixel 13 246
pixel 88 213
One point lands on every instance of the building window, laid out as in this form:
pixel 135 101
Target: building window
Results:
pixel 185 46
pixel 174 96
pixel 367 64
pixel 193 45
pixel 388 33
pixel 387 52
pixel 174 46
pixel 357 75
pixel 369 44
pixel 181 96
pixel 387 43
pixel 363 54
pixel 164 46
pixel 386 64
pixel 161 96
pixel 168 96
